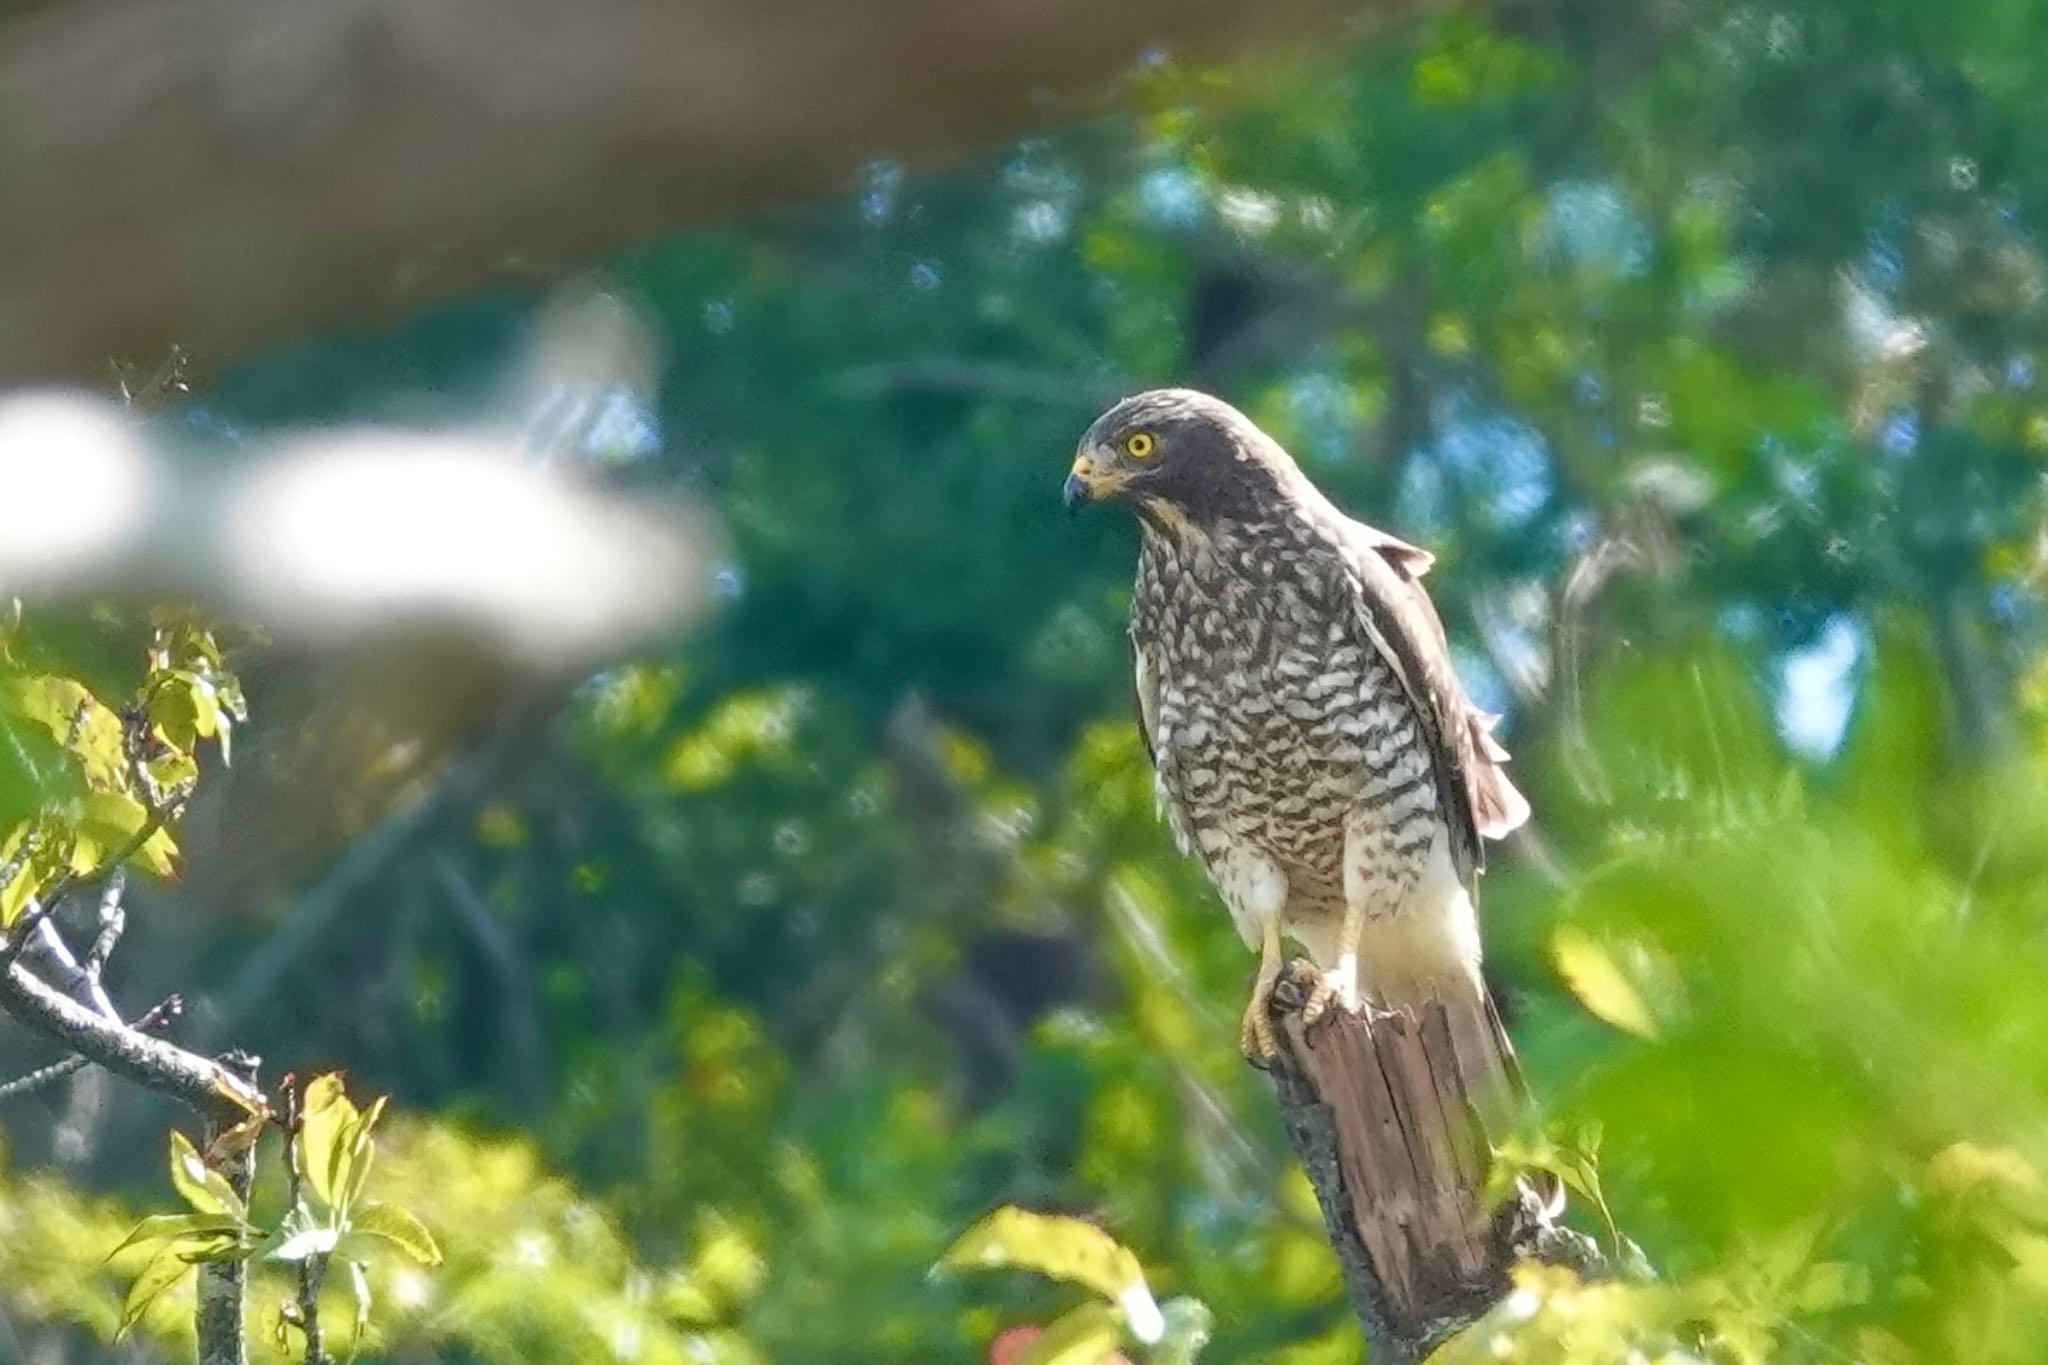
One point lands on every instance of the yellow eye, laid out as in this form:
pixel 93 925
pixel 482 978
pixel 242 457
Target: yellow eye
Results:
pixel 1139 444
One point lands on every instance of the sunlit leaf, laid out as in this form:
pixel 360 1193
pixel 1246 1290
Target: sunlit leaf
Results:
pixel 163 1273
pixel 53 703
pixel 205 1189
pixel 160 1227
pixel 399 1228
pixel 27 874
pixel 109 823
pixel 326 1117
pixel 1087 1335
pixel 1593 975
pixel 362 1150
pixel 1051 1244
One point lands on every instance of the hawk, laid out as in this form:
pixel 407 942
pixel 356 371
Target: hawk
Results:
pixel 1311 742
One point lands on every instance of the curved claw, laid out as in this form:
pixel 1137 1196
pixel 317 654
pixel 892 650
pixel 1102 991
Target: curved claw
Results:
pixel 1337 986
pixel 1259 1040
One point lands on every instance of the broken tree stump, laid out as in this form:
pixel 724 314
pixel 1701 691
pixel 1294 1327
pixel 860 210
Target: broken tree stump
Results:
pixel 1380 1120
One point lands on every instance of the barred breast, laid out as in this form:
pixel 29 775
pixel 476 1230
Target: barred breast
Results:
pixel 1276 723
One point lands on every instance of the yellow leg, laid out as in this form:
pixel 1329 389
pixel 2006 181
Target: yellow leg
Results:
pixel 1257 1040
pixel 1339 983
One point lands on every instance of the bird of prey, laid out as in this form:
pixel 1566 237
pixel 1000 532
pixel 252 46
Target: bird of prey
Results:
pixel 1312 744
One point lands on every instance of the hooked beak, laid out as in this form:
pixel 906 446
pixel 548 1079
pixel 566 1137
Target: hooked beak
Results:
pixel 1081 485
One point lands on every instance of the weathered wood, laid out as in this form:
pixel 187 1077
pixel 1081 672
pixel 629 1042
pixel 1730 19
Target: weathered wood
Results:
pixel 1397 1150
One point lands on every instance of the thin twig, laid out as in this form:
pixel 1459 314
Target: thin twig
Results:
pixel 72 976
pixel 113 922
pixel 309 1273
pixel 44 1077
pixel 152 1063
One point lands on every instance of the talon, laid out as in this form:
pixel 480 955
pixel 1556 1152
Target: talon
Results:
pixel 1338 986
pixel 1258 1040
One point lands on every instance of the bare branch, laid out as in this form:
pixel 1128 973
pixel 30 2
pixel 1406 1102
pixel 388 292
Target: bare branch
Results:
pixel 311 1268
pixel 44 1077
pixel 197 1082
pixel 113 922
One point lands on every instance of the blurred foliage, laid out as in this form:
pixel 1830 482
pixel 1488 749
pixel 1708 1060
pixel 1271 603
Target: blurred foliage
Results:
pixel 1702 340
pixel 327 1225
pixel 1078 1252
pixel 84 788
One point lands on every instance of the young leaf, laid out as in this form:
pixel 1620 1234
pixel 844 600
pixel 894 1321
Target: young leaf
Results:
pixel 1599 982
pixel 1085 1336
pixel 109 820
pixel 1064 1248
pixel 158 1278
pixel 158 853
pixel 238 1139
pixel 361 1151
pixel 205 1189
pixel 20 877
pixel 325 1118
pixel 50 702
pixel 161 1227
pixel 396 1226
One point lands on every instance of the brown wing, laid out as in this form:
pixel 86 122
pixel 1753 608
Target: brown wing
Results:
pixel 1479 800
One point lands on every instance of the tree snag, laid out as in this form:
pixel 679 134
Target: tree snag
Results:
pixel 1397 1151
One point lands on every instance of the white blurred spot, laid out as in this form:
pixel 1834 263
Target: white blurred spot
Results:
pixel 75 481
pixel 410 1289
pixel 1817 689
pixel 1141 1311
pixel 343 531
pixel 1249 211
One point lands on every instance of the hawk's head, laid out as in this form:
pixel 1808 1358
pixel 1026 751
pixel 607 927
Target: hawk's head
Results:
pixel 1177 454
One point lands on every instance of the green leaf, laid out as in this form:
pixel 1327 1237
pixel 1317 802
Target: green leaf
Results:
pixel 1598 981
pixel 108 822
pixel 159 1227
pixel 163 1273
pixel 1088 1335
pixel 53 703
pixel 325 1117
pixel 398 1227
pixel 1062 1247
pixel 27 878
pixel 205 1189
pixel 159 853
pixel 75 719
pixel 362 1151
